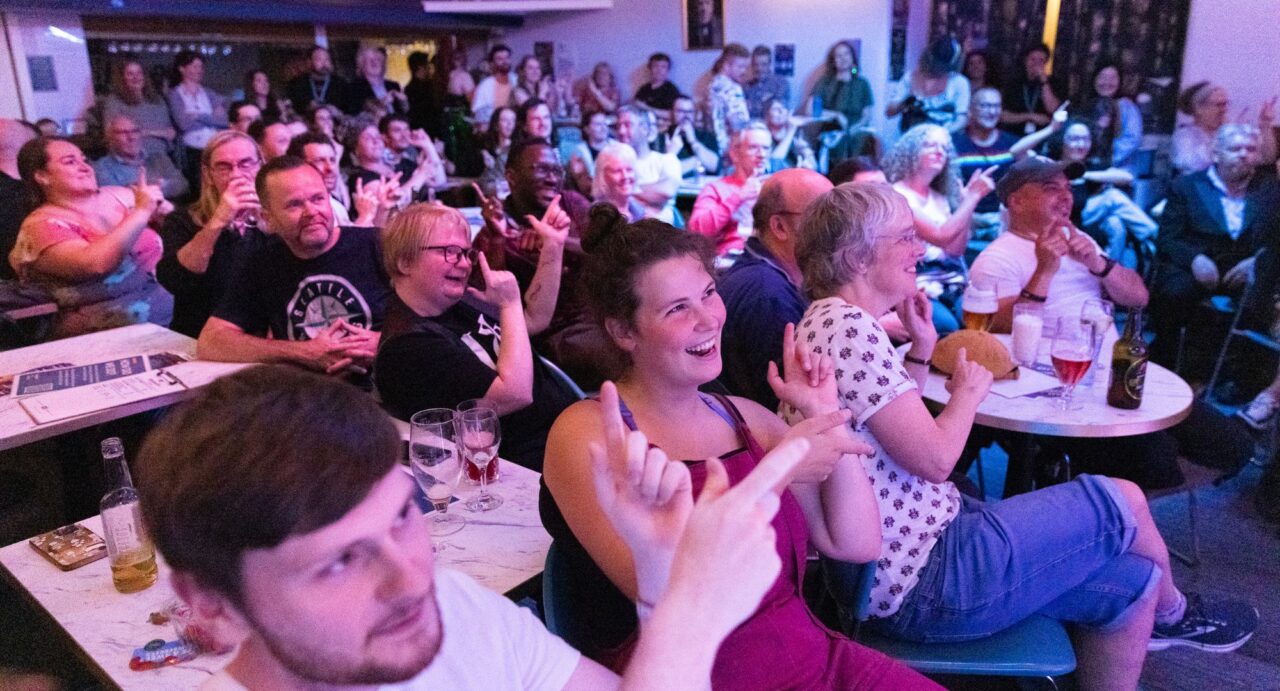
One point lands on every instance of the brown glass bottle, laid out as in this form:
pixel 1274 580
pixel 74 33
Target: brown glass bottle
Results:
pixel 1128 366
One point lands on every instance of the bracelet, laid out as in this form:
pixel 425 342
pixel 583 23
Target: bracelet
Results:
pixel 1108 265
pixel 917 361
pixel 644 609
pixel 1028 295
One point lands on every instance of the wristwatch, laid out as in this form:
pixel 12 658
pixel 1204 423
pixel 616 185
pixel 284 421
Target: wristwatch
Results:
pixel 1106 267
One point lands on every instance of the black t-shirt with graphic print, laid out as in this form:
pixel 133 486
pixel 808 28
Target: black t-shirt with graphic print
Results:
pixel 439 362
pixel 278 294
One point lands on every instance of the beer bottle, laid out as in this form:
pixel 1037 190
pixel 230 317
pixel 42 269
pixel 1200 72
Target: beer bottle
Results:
pixel 132 556
pixel 1128 366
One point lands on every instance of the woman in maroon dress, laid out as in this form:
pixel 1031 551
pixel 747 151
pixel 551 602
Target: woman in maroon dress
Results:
pixel 651 287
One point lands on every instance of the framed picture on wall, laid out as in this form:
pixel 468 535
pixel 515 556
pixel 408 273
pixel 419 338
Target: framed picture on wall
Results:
pixel 703 24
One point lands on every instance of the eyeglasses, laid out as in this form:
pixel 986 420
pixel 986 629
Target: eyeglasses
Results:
pixel 547 170
pixel 454 253
pixel 910 237
pixel 244 165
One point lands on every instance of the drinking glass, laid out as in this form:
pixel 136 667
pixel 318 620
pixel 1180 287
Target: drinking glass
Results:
pixel 1072 354
pixel 479 433
pixel 1028 325
pixel 435 462
pixel 1101 314
pixel 470 473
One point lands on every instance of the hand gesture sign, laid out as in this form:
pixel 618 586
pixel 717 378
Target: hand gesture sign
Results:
pixel 806 383
pixel 495 217
pixel 553 227
pixel 1081 247
pixel 981 183
pixel 916 314
pixel 1060 116
pixel 1051 246
pixel 968 377
pixel 146 197
pixel 500 287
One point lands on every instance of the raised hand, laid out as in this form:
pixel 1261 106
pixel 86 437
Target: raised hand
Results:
pixel 500 287
pixel 1060 116
pixel 553 227
pixel 916 314
pixel 806 383
pixel 1081 247
pixel 495 217
pixel 1051 246
pixel 146 197
pixel 366 199
pixel 981 183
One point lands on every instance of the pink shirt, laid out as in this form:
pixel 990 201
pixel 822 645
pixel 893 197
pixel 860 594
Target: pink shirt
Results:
pixel 721 208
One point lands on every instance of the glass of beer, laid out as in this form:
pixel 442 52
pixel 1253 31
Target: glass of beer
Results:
pixel 979 306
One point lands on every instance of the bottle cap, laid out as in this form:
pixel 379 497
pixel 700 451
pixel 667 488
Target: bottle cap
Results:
pixel 112 446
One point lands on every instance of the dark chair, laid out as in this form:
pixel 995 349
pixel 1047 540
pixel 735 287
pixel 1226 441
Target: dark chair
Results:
pixel 1036 647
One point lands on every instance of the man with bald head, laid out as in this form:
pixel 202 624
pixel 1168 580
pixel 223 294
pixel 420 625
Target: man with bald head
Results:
pixel 761 291
pixel 14 201
pixel 126 158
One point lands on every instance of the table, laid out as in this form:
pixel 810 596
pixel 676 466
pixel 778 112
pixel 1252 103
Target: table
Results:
pixel 690 187
pixel 17 428
pixel 1166 401
pixel 500 549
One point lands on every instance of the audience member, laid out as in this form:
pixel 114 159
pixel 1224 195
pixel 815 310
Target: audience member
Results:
pixel 319 86
pixel 461 85
pixel 658 93
pixel 534 120
pixel 532 83
pixel 495 89
pixel 595 136
pixel 761 291
pixel 272 137
pixel 981 145
pixel 324 120
pixel 15 198
pixel 320 492
pixel 934 92
pixel 1114 117
pixel 1193 143
pixel 510 242
pixel 1214 222
pixel 197 111
pixel 133 96
pixel 615 180
pixel 315 298
pixel 370 152
pixel 371 83
pixel 1099 565
pixel 922 167
pixel 763 84
pixel 726 102
pixel 790 150
pixel 204 242
pixel 1099 207
pixel 372 202
pixel 1031 99
pixel 126 159
pixel 980 71
pixel 723 207
pixel 424 108
pixel 257 90
pixel 91 246
pixel 657 174
pixel 844 96
pixel 241 115
pixel 396 131
pixel 696 149
pixel 651 287
pixel 857 169
pixel 478 348
pixel 496 143
pixel 599 92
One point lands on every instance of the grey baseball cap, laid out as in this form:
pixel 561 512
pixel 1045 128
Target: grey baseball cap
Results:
pixel 1034 169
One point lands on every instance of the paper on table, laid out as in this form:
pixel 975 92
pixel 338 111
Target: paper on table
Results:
pixel 1028 382
pixel 59 405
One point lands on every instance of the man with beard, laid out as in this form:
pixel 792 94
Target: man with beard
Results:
pixel 372 203
pixel 535 176
pixel 696 149
pixel 494 90
pixel 326 576
pixel 316 297
pixel 1214 222
pixel 320 86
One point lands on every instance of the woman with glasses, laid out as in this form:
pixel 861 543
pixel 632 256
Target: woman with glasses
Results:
pixel 202 242
pixel 439 349
pixel 91 246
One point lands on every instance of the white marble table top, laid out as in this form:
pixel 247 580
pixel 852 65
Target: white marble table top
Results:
pixel 17 428
pixel 1166 401
pixel 500 549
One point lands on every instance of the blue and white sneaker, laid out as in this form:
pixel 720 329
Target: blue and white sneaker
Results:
pixel 1216 627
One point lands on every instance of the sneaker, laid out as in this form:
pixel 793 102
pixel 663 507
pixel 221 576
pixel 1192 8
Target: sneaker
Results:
pixel 1217 627
pixel 1260 411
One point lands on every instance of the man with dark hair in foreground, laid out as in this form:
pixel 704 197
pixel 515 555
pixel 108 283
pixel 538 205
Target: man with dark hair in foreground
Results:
pixel 316 559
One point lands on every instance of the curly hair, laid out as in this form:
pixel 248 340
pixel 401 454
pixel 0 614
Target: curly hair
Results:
pixel 903 158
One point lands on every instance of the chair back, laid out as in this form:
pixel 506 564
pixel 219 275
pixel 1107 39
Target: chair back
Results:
pixel 564 378
pixel 850 586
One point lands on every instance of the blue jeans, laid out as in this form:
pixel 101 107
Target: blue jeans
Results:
pixel 1061 552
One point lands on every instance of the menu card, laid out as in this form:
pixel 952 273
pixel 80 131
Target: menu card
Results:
pixel 100 395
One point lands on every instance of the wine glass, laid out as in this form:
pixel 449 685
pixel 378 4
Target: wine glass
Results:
pixel 1072 354
pixel 434 460
pixel 1101 314
pixel 479 433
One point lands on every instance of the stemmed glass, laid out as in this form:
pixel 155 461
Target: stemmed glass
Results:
pixel 1072 354
pixel 435 462
pixel 1101 314
pixel 479 433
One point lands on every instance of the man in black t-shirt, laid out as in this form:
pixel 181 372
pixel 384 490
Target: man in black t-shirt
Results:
pixel 315 298
pixel 658 93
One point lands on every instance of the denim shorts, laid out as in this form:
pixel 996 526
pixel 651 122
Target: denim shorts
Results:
pixel 1061 552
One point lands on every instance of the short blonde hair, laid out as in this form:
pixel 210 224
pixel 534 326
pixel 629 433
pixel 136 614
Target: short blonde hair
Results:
pixel 613 151
pixel 411 229
pixel 838 232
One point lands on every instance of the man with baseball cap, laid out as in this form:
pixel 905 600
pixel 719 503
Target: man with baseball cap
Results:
pixel 1043 258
